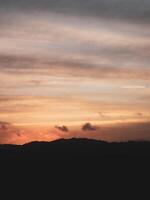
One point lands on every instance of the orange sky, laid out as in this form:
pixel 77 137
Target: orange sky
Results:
pixel 68 68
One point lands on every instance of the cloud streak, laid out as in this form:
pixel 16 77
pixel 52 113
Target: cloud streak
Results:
pixel 18 65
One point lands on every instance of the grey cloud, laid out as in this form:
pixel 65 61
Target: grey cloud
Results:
pixel 59 67
pixel 88 127
pixel 135 10
pixel 62 128
pixel 13 61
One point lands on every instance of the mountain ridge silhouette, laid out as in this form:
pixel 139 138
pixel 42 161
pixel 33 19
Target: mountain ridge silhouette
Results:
pixel 76 148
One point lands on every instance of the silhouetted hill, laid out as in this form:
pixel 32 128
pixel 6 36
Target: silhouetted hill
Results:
pixel 70 149
pixel 75 164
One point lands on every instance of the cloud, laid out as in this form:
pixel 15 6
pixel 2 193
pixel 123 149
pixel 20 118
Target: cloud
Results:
pixel 74 47
pixel 139 114
pixel 88 127
pixel 62 128
pixel 19 134
pixel 70 68
pixel 104 116
pixel 9 133
pixel 143 116
pixel 5 126
pixel 134 87
pixel 101 115
pixel 131 10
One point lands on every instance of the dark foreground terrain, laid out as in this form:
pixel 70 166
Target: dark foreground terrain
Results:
pixel 76 149
pixel 77 166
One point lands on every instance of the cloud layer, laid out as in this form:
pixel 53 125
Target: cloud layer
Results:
pixel 135 10
pixel 69 62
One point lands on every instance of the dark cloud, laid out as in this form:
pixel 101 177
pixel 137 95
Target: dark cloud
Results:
pixel 62 128
pixel 8 62
pixel 66 67
pixel 135 10
pixel 88 127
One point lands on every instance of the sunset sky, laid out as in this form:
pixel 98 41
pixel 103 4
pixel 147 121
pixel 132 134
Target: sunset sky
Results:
pixel 70 62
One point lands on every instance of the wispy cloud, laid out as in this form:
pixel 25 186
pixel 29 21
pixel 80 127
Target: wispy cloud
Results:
pixel 134 87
